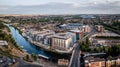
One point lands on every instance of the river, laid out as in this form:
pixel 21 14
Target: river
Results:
pixel 25 44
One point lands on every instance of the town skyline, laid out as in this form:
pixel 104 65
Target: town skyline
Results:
pixel 60 7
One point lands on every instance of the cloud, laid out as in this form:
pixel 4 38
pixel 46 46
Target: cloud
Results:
pixel 64 8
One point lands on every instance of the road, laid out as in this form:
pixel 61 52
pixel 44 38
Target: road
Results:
pixel 89 34
pixel 75 59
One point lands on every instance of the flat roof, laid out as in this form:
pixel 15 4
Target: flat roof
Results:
pixel 71 24
pixel 76 31
pixel 64 35
pixel 107 34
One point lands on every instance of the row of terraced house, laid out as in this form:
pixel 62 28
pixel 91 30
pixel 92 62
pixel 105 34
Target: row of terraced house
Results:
pixel 102 62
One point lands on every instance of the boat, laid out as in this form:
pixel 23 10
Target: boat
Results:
pixel 45 57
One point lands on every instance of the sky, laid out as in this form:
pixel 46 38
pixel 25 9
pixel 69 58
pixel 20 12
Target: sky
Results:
pixel 59 6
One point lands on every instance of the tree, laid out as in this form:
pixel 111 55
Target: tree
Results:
pixel 34 56
pixel 27 57
pixel 87 41
pixel 114 50
pixel 87 44
pixel 84 47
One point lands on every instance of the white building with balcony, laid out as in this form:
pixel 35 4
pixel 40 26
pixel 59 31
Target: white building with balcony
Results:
pixel 63 41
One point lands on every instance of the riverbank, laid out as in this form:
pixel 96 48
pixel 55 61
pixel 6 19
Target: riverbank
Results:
pixel 43 46
pixel 12 49
pixel 47 48
pixel 54 53
pixel 36 48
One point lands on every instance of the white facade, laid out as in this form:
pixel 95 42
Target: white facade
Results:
pixel 63 41
pixel 48 39
pixel 39 35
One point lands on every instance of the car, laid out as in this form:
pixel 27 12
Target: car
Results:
pixel 1 61
pixel 9 63
pixel 13 60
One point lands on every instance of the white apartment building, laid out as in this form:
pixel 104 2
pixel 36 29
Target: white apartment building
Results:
pixel 48 39
pixel 63 41
pixel 42 34
pixel 39 35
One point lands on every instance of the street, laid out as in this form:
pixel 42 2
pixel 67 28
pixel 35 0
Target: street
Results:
pixel 75 60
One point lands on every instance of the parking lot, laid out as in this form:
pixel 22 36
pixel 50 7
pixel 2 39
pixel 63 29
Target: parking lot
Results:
pixel 5 61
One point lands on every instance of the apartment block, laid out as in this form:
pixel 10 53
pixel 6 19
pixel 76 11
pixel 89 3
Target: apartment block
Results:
pixel 63 41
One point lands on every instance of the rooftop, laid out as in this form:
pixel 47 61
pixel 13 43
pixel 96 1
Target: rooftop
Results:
pixel 64 35
pixel 3 42
pixel 71 24
pixel 74 24
pixel 93 59
pixel 63 62
pixel 107 34
pixel 77 31
pixel 41 33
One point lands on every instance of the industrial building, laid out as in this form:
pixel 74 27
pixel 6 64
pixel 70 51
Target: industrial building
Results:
pixel 76 26
pixel 72 26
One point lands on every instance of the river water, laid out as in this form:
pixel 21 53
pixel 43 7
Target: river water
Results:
pixel 25 44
